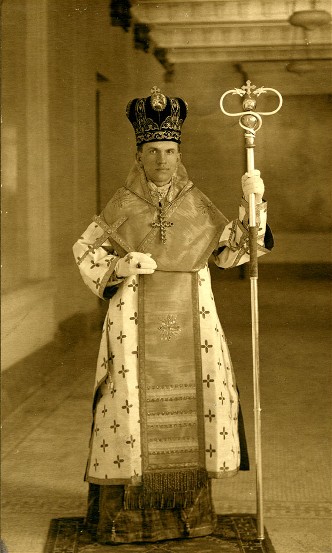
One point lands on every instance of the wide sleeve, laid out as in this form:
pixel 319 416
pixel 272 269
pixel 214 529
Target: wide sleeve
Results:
pixel 96 260
pixel 233 246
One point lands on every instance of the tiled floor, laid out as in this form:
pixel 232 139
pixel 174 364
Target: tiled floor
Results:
pixel 45 440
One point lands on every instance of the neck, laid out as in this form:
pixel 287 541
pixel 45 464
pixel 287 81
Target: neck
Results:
pixel 161 186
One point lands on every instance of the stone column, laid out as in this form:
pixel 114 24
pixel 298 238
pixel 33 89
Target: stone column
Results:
pixel 37 119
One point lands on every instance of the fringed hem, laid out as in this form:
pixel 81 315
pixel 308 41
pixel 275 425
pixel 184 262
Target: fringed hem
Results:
pixel 166 490
pixel 182 480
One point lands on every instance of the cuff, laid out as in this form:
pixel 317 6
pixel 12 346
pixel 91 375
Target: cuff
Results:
pixel 109 280
pixel 261 209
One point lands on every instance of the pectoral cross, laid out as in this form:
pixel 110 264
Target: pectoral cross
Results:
pixel 162 224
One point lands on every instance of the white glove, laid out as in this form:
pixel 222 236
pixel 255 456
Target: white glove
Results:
pixel 135 263
pixel 253 184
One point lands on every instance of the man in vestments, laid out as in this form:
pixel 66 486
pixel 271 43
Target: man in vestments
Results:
pixel 166 417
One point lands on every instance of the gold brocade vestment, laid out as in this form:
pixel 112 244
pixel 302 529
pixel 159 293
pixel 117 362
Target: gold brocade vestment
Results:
pixel 166 413
pixel 170 372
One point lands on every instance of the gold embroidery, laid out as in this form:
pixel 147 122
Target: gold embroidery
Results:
pixel 111 231
pixel 151 374
pixel 158 100
pixel 183 450
pixel 148 130
pixel 172 439
pixel 178 398
pixel 169 328
pixel 207 208
pixel 175 425
pixel 171 413
pixel 121 197
pixel 171 387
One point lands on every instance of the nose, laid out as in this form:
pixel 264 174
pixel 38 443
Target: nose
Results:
pixel 161 157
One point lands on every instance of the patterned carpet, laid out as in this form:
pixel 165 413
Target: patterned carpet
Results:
pixel 234 534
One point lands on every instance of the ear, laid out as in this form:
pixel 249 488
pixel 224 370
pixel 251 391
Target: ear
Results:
pixel 138 159
pixel 179 157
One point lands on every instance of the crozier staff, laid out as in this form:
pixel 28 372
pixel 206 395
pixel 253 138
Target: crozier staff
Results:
pixel 166 417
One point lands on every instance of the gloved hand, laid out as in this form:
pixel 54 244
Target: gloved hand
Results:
pixel 252 183
pixel 135 263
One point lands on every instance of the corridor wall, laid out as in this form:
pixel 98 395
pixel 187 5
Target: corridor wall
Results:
pixel 61 60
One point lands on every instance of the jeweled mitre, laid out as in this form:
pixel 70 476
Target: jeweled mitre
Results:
pixel 157 117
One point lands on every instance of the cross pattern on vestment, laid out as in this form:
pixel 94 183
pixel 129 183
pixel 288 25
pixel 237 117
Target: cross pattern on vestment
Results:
pixel 134 318
pixel 121 337
pixel 127 406
pixel 206 346
pixel 79 259
pixel 204 312
pixel 162 224
pixel 104 445
pixel 114 426
pixel 223 433
pixel 97 283
pixel 105 361
pixel 211 450
pixel 207 380
pixel 210 416
pixel 131 441
pixel 133 285
pixel 123 371
pixel 118 461
pixel 222 398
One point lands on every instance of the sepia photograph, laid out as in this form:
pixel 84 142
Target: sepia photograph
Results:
pixel 166 306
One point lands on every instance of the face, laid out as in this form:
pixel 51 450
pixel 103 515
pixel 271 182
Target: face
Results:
pixel 159 160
